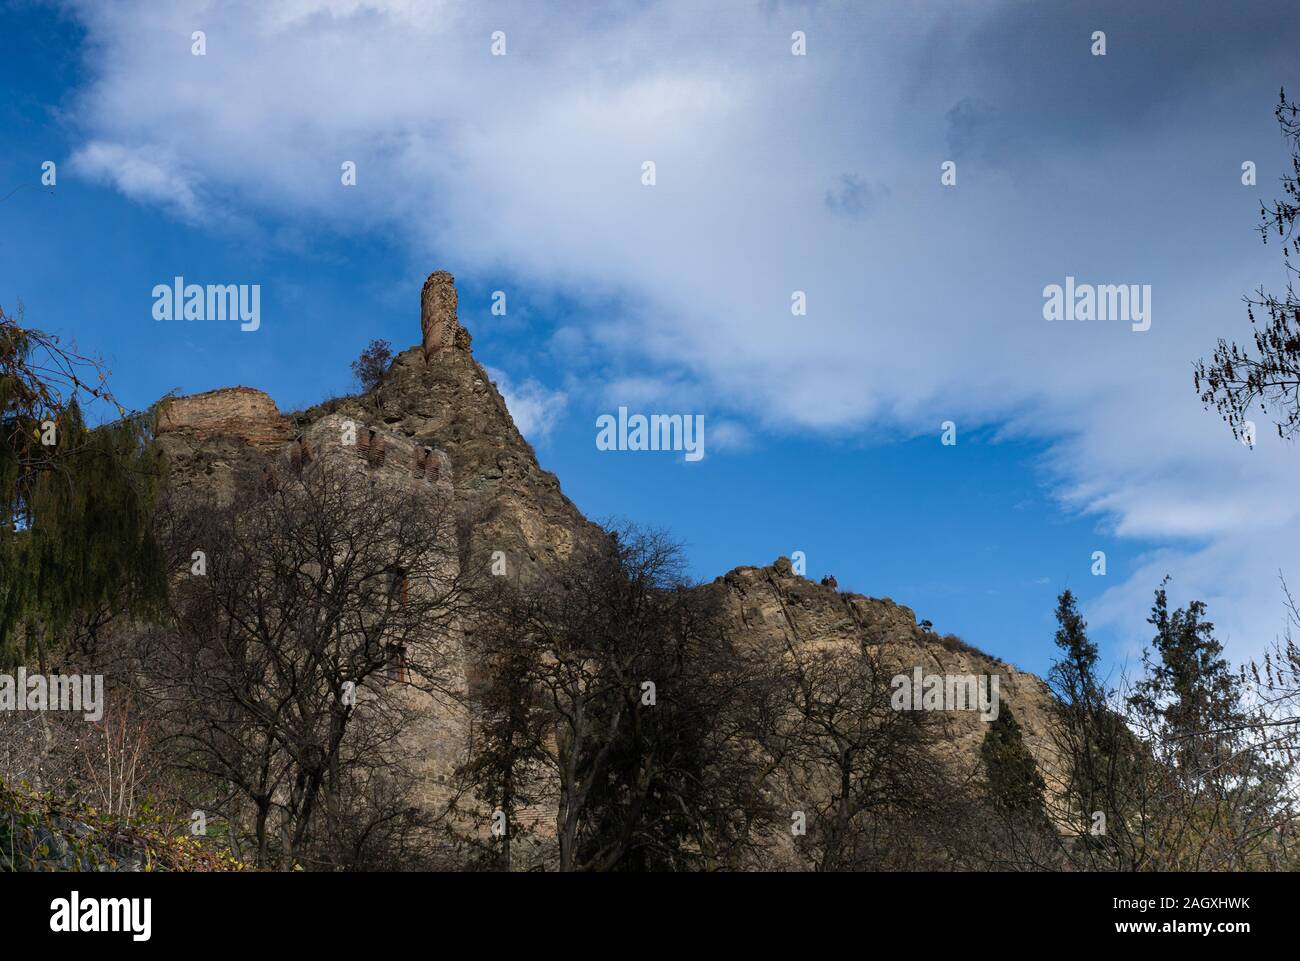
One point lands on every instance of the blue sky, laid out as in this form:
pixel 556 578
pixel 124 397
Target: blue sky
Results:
pixel 775 173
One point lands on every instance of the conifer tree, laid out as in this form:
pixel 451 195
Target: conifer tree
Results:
pixel 1218 789
pixel 1189 689
pixel 75 502
pixel 1094 749
pixel 1015 786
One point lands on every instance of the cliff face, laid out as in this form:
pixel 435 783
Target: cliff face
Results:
pixel 435 395
pixel 211 439
pixel 239 412
pixel 773 608
pixel 436 423
pixel 439 418
pixel 449 403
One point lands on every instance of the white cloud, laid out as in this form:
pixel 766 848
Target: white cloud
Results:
pixel 650 394
pixel 923 305
pixel 142 172
pixel 535 408
pixel 729 435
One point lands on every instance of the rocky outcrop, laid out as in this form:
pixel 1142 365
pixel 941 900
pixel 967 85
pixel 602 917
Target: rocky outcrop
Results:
pixel 376 451
pixel 211 440
pixel 438 323
pixel 435 396
pixel 772 608
pixel 239 412
pixel 445 400
pixel 437 419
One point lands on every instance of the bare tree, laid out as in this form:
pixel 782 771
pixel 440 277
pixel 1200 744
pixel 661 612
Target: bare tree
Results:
pixel 611 696
pixel 1238 378
pixel 864 775
pixel 328 608
pixel 371 367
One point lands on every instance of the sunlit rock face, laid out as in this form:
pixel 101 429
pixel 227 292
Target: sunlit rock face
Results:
pixel 438 324
pixel 243 413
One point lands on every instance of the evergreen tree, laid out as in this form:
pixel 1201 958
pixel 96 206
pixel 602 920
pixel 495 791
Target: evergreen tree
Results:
pixel 1188 700
pixel 1189 687
pixel 1074 677
pixel 1216 783
pixel 1082 720
pixel 1094 748
pixel 1015 786
pixel 75 502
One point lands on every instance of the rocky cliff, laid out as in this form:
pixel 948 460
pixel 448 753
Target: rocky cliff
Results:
pixel 772 607
pixel 437 415
pixel 239 412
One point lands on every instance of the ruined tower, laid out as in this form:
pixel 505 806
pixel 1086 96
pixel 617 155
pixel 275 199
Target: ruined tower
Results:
pixel 442 331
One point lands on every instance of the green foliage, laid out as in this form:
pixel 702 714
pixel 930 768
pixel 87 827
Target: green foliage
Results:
pixel 1085 726
pixel 76 502
pixel 1215 755
pixel 1186 776
pixel 1097 750
pixel 1189 688
pixel 1077 668
pixel 1015 786
pixel 41 832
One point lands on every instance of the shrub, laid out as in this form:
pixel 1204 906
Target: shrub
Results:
pixel 370 368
